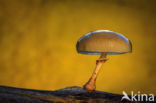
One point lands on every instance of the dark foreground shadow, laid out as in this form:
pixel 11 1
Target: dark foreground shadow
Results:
pixel 66 95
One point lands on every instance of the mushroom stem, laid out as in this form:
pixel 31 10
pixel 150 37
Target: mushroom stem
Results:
pixel 91 84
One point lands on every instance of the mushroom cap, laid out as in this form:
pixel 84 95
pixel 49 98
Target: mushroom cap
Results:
pixel 100 41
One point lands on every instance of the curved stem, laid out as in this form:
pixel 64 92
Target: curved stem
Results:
pixel 91 84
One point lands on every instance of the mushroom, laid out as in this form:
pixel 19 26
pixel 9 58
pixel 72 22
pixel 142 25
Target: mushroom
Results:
pixel 102 42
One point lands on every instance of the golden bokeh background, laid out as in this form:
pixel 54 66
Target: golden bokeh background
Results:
pixel 38 44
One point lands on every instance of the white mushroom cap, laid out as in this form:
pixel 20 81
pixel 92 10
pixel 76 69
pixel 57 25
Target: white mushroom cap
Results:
pixel 100 41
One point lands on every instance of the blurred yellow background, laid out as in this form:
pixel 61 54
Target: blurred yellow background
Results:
pixel 38 44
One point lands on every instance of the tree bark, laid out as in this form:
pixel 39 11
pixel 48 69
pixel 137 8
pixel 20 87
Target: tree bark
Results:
pixel 71 94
